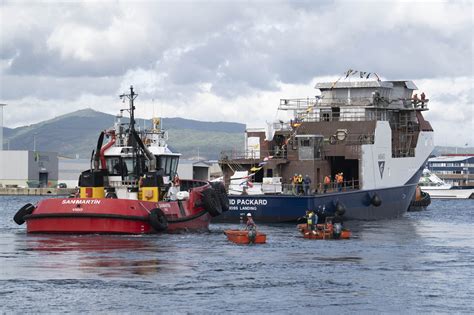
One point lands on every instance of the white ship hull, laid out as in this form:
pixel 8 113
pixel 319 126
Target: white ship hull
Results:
pixel 449 193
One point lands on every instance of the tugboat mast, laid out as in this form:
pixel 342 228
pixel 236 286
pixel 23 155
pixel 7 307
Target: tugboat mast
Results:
pixel 131 97
pixel 131 130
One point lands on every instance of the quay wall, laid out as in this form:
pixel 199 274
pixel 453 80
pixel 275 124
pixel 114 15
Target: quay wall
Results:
pixel 16 191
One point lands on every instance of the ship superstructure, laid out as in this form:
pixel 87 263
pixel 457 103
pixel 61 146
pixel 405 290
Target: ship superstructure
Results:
pixel 372 134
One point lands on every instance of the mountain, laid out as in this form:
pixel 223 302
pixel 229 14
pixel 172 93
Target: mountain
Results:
pixel 76 133
pixel 452 150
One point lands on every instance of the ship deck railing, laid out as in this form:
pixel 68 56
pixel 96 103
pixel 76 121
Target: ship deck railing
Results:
pixel 253 155
pixel 303 104
pixel 123 183
pixel 320 188
pixel 298 189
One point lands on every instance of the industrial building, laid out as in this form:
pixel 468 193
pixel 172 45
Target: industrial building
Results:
pixel 28 169
pixel 453 169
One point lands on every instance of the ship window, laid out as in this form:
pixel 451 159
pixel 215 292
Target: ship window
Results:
pixel 310 147
pixel 174 164
pixel 168 163
pixel 113 165
pixel 305 143
pixel 269 172
pixel 335 111
pixel 325 116
pixel 129 163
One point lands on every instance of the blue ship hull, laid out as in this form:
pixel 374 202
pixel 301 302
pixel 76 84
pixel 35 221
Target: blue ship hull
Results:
pixel 357 203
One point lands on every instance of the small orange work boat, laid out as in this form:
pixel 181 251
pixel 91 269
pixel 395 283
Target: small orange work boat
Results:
pixel 243 237
pixel 322 232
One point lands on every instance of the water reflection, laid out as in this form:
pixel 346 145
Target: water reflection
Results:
pixel 113 267
pixel 99 255
pixel 87 243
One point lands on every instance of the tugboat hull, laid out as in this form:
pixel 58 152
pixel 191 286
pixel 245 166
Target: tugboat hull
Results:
pixel 113 216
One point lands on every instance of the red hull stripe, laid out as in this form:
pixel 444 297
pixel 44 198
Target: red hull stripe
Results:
pixel 84 215
pixel 107 216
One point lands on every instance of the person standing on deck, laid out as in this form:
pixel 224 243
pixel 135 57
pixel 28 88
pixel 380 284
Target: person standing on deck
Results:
pixel 300 184
pixel 423 99
pixel 339 181
pixel 294 183
pixel 306 185
pixel 327 182
pixel 415 100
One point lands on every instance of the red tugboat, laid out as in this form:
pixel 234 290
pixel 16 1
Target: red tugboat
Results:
pixel 131 188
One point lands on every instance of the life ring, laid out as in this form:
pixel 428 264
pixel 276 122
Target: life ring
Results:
pixel 211 202
pixel 341 135
pixel 222 194
pixel 158 220
pixel 19 217
pixel 332 139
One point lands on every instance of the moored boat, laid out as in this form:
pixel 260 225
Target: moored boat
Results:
pixel 245 237
pixel 360 146
pixel 421 202
pixel 131 188
pixel 438 189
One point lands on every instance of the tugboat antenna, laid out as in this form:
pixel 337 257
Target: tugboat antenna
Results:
pixel 131 97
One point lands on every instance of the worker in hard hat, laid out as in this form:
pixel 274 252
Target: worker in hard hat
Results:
pixel 250 223
pixel 251 227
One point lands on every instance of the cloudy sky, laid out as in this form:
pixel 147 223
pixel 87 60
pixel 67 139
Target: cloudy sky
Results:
pixel 230 60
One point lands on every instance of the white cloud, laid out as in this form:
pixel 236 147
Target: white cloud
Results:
pixel 229 61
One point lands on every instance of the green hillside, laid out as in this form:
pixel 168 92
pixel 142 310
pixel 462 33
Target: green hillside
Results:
pixel 76 134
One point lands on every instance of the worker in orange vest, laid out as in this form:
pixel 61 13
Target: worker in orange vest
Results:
pixel 339 181
pixel 327 182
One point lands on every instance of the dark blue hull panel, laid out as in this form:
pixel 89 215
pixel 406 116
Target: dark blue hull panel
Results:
pixel 357 203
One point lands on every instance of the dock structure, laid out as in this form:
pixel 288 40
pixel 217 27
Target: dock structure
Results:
pixel 17 191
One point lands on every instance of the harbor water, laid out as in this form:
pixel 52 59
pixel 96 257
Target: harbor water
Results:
pixel 420 263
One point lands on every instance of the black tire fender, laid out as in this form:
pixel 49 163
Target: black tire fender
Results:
pixel 211 203
pixel 222 194
pixel 376 201
pixel 340 208
pixel 158 220
pixel 19 217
